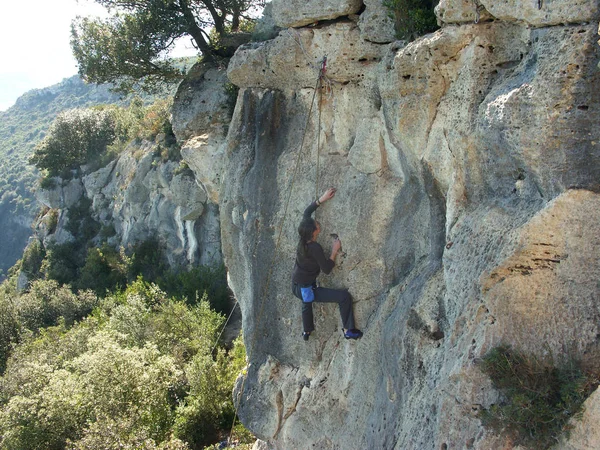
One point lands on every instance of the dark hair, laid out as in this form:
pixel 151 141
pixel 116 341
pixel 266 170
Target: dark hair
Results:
pixel 306 229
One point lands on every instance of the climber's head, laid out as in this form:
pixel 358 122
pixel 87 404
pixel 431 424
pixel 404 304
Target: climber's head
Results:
pixel 308 230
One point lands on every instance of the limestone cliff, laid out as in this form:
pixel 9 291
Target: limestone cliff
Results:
pixel 467 168
pixel 143 194
pixel 137 197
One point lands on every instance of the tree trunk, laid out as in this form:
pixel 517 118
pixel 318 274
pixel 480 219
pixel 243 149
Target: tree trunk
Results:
pixel 195 31
pixel 235 21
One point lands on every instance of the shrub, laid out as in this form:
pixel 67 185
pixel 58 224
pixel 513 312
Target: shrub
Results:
pixel 62 262
pixel 9 329
pixel 33 257
pixel 148 260
pixel 140 372
pixel 209 408
pixel 103 384
pixel 47 302
pixel 413 18
pixel 105 270
pixel 81 223
pixel 76 137
pixel 183 331
pixel 539 399
pixel 108 433
pixel 192 285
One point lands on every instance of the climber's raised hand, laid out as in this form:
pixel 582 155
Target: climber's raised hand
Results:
pixel 327 195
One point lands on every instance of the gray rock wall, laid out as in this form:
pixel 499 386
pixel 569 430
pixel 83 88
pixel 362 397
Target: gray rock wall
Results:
pixel 467 169
pixel 141 197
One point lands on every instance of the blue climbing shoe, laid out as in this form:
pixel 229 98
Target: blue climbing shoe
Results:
pixel 353 333
pixel 305 335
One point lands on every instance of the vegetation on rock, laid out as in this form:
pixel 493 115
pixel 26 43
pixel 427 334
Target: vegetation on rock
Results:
pixel 25 125
pixel 538 399
pixel 104 50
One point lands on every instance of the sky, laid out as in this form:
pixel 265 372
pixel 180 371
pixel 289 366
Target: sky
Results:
pixel 34 44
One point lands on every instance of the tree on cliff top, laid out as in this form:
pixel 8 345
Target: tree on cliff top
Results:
pixel 131 46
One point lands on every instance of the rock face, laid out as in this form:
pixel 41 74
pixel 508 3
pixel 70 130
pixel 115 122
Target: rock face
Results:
pixel 296 13
pixel 143 195
pixel 139 197
pixel 467 167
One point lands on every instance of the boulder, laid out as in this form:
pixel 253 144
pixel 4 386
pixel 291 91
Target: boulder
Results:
pixel 203 102
pixel 297 13
pixel 268 64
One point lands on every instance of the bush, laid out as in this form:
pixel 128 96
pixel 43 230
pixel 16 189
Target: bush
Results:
pixel 413 18
pixel 105 383
pixel 47 302
pixel 539 399
pixel 209 408
pixel 139 372
pixel 192 285
pixel 81 223
pixel 105 270
pixel 148 260
pixel 9 329
pixel 76 137
pixel 144 314
pixel 33 257
pixel 62 262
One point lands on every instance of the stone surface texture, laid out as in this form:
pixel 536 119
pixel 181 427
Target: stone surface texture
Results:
pixel 297 13
pixel 468 174
pixel 141 197
pixel 375 23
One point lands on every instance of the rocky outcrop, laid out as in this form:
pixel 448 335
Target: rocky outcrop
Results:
pixel 135 198
pixel 296 13
pixel 144 195
pixel 467 168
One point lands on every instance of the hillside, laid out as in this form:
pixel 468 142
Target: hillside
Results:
pixel 21 127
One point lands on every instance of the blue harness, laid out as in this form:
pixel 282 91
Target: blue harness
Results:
pixel 308 294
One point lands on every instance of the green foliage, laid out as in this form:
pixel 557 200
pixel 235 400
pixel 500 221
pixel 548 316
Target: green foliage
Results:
pixel 208 407
pixel 539 399
pixel 130 47
pixel 138 373
pixel 22 127
pixel 413 18
pixel 33 257
pixel 63 261
pixel 105 383
pixel 125 49
pixel 192 285
pixel 81 223
pixel 105 269
pixel 76 137
pixel 9 328
pixel 46 302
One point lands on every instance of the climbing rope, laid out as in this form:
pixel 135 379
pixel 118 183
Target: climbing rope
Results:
pixel 322 72
pixel 250 349
pixel 223 329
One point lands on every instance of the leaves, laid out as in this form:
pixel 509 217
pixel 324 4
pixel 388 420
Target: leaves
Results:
pixel 129 376
pixel 76 137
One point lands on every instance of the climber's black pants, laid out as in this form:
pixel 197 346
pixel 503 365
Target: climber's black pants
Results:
pixel 324 295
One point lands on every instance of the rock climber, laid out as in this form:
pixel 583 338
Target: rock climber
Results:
pixel 310 261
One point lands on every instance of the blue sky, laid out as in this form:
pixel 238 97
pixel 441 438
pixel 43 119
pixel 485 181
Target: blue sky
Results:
pixel 34 44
